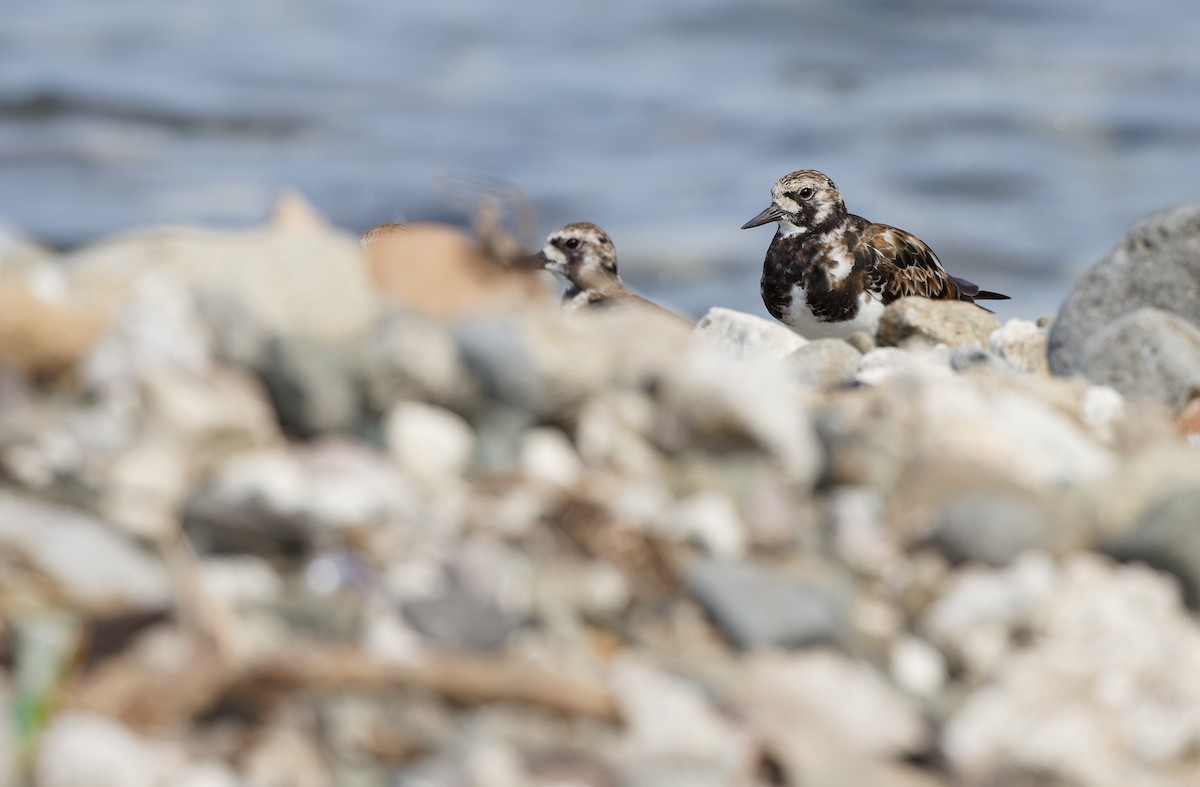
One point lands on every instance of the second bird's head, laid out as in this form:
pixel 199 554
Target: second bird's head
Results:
pixel 579 252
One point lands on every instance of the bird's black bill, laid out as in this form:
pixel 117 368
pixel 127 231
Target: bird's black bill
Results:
pixel 534 261
pixel 772 213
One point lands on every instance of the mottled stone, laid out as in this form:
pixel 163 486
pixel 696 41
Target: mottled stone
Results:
pixel 1148 353
pixel 935 322
pixel 1157 265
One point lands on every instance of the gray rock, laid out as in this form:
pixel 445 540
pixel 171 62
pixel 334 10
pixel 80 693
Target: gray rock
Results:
pixel 497 353
pixel 965 358
pixel 1146 353
pixel 312 386
pixel 94 568
pixel 547 364
pixel 742 335
pixel 708 399
pixel 756 607
pixel 935 322
pixel 824 362
pixel 407 356
pixel 989 527
pixel 462 620
pixel 1167 537
pixel 1156 265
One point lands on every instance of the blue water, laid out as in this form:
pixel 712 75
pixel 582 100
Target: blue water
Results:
pixel 1019 138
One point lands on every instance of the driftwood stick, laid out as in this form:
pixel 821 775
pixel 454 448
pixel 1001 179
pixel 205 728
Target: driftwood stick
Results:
pixel 470 680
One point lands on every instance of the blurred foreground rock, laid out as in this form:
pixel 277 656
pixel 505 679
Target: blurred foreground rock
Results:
pixel 280 513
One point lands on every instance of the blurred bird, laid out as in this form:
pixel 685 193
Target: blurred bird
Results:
pixel 829 273
pixel 582 256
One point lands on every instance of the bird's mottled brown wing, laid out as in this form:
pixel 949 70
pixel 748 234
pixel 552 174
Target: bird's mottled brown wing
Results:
pixel 900 264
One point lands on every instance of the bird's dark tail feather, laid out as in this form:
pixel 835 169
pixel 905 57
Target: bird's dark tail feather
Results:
pixel 970 291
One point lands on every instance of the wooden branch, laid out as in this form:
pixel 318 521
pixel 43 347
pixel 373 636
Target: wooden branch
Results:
pixel 469 680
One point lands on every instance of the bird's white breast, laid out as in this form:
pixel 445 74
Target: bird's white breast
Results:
pixel 801 319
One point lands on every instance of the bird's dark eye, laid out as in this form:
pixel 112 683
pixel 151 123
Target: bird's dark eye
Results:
pixel 806 192
pixel 572 243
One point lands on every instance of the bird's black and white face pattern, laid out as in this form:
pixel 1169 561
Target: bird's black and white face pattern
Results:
pixel 580 253
pixel 803 202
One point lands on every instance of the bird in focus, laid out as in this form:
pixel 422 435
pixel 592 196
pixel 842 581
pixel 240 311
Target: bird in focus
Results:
pixel 830 273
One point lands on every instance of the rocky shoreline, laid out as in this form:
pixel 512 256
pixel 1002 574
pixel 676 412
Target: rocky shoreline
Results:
pixel 278 511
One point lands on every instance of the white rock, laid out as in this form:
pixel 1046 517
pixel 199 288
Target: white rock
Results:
pixel 82 749
pixel 710 519
pixel 1023 344
pixel 978 617
pixel 833 696
pixel 428 442
pixel 667 718
pixel 208 774
pixel 8 737
pixel 742 335
pixel 547 456
pixel 189 422
pixel 159 328
pixel 284 754
pixel 387 636
pixel 640 503
pixel 494 763
pixel 1102 408
pixel 1104 696
pixel 94 567
pixel 239 580
pixel 917 667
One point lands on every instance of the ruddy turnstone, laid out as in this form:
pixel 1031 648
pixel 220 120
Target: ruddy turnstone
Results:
pixel 582 256
pixel 829 273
